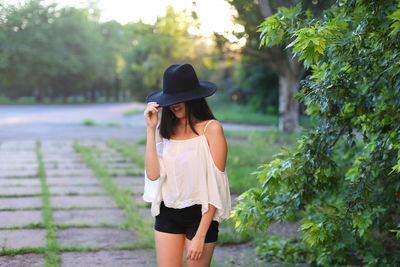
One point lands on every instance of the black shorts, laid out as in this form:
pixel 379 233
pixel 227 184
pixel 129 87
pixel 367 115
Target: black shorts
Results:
pixel 184 221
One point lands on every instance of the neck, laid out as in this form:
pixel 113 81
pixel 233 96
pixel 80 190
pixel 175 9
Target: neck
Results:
pixel 184 122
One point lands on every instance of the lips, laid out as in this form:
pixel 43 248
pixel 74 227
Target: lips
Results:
pixel 176 108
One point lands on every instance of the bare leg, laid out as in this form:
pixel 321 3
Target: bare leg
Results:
pixel 205 259
pixel 169 249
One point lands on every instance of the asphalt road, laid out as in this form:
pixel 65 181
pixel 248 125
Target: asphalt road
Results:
pixel 43 122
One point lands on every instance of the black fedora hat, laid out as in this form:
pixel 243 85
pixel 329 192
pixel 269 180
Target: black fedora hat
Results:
pixel 180 84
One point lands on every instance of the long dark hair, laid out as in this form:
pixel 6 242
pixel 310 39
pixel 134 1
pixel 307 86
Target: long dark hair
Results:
pixel 195 109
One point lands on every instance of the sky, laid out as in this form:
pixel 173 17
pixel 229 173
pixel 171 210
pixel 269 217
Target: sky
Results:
pixel 214 15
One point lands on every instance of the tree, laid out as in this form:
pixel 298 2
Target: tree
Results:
pixel 27 55
pixel 45 50
pixel 288 68
pixel 344 173
pixel 154 47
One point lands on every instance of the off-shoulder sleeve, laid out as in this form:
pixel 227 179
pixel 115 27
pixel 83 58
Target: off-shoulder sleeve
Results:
pixel 151 187
pixel 218 190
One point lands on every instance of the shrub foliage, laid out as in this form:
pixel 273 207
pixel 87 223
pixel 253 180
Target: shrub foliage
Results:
pixel 344 173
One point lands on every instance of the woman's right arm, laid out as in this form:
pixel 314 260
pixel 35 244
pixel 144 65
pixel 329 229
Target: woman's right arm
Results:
pixel 151 160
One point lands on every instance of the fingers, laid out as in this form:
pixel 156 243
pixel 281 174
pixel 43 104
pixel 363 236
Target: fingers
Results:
pixel 193 255
pixel 151 108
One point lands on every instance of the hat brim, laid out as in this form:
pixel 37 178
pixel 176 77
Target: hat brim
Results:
pixel 163 100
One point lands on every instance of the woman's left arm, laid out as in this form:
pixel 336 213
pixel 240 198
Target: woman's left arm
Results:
pixel 218 148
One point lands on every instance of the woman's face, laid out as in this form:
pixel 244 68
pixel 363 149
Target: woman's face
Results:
pixel 178 110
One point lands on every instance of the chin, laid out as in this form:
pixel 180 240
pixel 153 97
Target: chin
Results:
pixel 180 116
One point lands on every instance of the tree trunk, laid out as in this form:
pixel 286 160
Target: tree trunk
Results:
pixel 117 89
pixel 288 105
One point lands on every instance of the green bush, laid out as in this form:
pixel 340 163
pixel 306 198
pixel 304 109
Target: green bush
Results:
pixel 345 172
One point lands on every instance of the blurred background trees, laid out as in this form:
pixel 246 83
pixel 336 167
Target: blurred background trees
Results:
pixel 66 54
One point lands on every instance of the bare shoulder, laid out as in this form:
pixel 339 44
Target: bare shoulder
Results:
pixel 217 144
pixel 215 128
pixel 214 131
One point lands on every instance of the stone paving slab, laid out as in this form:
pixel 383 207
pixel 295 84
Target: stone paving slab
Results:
pixel 110 216
pixel 65 161
pixel 19 144
pixel 139 179
pixel 18 160
pixel 237 255
pixel 139 200
pixel 20 202
pixel 145 213
pixel 116 159
pixel 10 153
pixel 56 165
pixel 122 165
pixel 11 157
pixel 82 201
pixel 58 155
pixel 109 258
pixel 134 188
pixel 20 217
pixel 96 237
pixel 58 149
pixel 71 181
pixel 20 190
pixel 69 172
pixel 22 238
pixel 20 181
pixel 138 189
pixel 129 180
pixel 23 260
pixel 76 190
pixel 18 166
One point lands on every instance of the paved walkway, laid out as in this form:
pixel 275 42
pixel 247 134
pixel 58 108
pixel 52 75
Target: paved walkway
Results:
pixel 85 216
pixel 79 213
pixel 92 226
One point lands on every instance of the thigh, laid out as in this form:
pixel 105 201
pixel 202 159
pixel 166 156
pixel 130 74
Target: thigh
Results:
pixel 170 248
pixel 206 256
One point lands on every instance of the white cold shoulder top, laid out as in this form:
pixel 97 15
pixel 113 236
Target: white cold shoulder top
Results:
pixel 188 176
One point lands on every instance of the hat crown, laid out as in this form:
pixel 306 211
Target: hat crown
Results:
pixel 180 78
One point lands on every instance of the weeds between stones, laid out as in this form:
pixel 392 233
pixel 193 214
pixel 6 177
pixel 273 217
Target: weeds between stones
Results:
pixel 52 250
pixel 122 197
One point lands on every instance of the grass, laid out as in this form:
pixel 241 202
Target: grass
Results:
pixel 39 225
pixel 20 209
pixel 89 122
pixel 17 195
pixel 11 252
pixel 228 235
pixel 123 198
pixel 19 101
pixel 52 250
pixel 247 151
pixel 132 112
pixel 244 114
pixel 129 150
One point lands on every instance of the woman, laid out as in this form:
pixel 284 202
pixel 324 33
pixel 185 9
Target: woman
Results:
pixel 186 155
